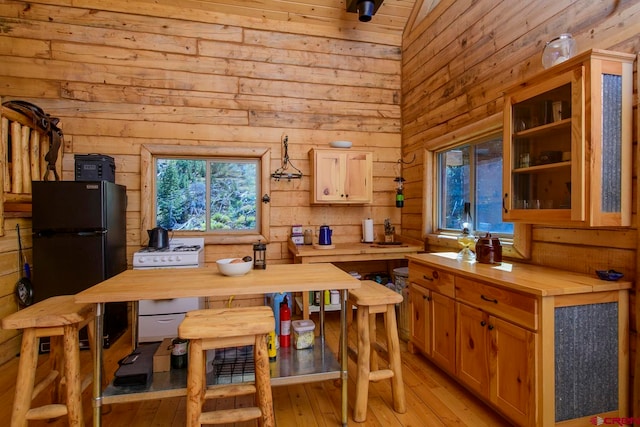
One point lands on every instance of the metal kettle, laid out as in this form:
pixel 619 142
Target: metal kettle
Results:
pixel 325 235
pixel 158 238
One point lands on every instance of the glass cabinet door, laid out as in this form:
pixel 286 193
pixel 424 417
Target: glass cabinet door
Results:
pixel 568 143
pixel 543 134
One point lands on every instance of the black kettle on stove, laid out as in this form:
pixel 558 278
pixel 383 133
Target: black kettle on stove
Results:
pixel 158 238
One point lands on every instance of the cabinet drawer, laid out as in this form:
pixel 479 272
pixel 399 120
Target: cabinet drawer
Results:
pixel 432 278
pixel 518 308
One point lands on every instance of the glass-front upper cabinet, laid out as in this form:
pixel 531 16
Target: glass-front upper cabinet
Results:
pixel 567 143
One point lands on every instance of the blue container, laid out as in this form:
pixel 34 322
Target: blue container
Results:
pixel 274 300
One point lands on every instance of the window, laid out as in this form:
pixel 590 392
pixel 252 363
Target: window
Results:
pixel 215 191
pixel 472 173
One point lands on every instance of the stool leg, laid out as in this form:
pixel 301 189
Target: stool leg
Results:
pixel 26 378
pixel 373 337
pixel 72 375
pixel 56 360
pixel 395 364
pixel 195 383
pixel 263 381
pixel 364 358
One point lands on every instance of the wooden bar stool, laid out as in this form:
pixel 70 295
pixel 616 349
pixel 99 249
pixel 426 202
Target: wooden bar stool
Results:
pixel 220 328
pixel 61 319
pixel 372 299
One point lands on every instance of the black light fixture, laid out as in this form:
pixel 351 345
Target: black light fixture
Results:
pixel 364 8
pixel 283 171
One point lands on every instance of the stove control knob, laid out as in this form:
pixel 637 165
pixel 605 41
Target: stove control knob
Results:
pixel 178 258
pixel 170 258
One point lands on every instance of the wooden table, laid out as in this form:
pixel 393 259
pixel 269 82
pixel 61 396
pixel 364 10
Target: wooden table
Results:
pixel 136 285
pixel 345 252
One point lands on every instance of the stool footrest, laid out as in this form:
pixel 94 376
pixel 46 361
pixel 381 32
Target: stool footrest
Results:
pixel 226 416
pixel 45 412
pixel 381 374
pixel 44 383
pixel 229 390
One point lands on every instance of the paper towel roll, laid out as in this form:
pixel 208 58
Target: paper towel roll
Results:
pixel 367 230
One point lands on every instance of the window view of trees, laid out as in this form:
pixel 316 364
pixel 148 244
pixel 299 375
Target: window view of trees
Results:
pixel 220 193
pixel 473 174
pixel 233 195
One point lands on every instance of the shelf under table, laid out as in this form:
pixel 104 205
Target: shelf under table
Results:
pixel 291 366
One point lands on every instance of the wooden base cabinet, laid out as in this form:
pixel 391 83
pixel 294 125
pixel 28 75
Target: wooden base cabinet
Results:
pixel 432 326
pixel 497 360
pixel 543 347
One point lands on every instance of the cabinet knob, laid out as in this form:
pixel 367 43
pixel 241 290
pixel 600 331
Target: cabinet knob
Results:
pixel 483 323
pixel 490 327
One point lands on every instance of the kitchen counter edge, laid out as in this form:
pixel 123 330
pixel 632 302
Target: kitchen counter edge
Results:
pixel 526 278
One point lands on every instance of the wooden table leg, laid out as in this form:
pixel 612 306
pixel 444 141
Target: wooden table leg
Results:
pixel 343 355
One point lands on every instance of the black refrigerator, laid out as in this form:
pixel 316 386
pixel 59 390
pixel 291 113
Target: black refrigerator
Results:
pixel 79 240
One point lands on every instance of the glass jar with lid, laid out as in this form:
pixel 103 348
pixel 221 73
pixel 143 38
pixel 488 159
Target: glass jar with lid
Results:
pixel 558 50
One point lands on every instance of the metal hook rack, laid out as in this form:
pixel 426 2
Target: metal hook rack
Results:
pixel 281 172
pixel 399 179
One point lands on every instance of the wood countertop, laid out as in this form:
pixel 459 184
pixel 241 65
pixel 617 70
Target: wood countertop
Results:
pixel 135 285
pixel 526 278
pixel 351 252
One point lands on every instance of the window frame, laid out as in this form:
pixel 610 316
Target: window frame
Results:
pixel 519 247
pixel 148 155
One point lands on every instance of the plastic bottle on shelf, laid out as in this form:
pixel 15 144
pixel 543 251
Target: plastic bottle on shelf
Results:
pixel 285 323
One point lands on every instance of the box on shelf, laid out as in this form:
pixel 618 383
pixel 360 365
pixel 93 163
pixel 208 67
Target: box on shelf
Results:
pixel 303 333
pixel 297 239
pixel 162 356
pixel 296 229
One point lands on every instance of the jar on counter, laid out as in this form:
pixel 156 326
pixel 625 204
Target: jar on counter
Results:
pixel 308 237
pixel 179 353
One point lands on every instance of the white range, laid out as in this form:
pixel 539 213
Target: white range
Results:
pixel 159 319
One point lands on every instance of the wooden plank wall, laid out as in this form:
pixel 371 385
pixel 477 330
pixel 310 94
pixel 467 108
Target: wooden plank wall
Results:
pixel 121 78
pixel 456 63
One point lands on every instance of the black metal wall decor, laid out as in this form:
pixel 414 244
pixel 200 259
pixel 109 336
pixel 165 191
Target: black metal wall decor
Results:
pixel 282 172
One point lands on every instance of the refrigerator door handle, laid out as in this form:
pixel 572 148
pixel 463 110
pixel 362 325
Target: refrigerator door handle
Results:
pixel 91 233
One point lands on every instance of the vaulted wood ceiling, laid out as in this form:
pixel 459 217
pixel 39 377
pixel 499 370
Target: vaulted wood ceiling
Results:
pixel 319 17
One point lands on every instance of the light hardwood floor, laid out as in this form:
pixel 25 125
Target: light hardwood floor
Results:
pixel 432 398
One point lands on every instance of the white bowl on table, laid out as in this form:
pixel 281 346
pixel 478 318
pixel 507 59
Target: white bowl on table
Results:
pixel 226 267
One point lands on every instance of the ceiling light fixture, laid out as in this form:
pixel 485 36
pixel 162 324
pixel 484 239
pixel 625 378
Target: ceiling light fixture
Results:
pixel 364 8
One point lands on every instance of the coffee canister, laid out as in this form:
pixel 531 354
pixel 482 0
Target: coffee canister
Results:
pixel 179 356
pixel 489 250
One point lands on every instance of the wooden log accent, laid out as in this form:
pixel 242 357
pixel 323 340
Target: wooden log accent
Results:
pixel 22 149
pixel 25 159
pixel 35 157
pixel 16 160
